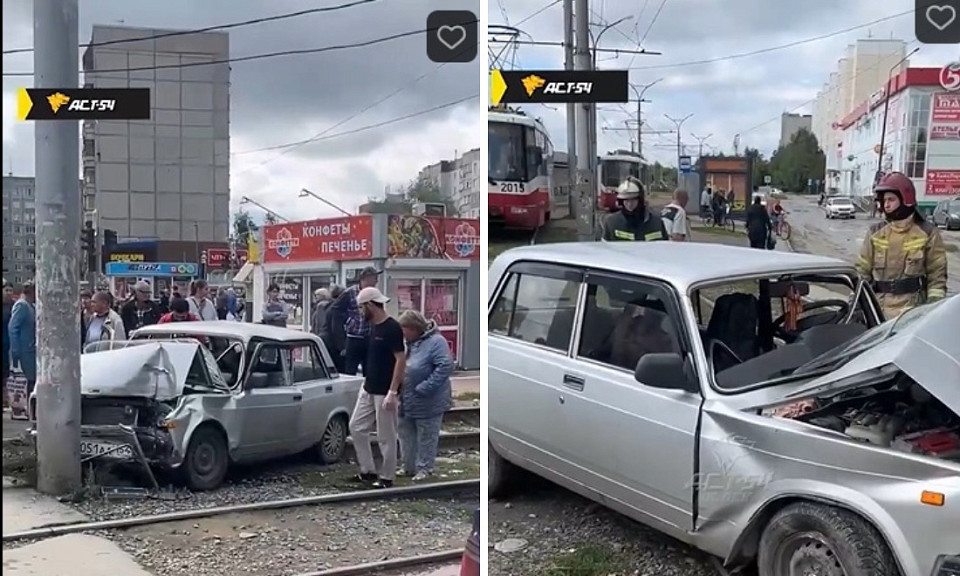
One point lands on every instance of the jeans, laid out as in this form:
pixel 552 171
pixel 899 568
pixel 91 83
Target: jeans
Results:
pixel 419 439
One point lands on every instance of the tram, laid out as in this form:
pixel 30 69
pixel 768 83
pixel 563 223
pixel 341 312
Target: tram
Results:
pixel 615 167
pixel 520 170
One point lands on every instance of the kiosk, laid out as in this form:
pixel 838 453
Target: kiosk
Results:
pixel 430 264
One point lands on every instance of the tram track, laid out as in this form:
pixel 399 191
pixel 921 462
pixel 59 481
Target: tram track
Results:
pixel 420 561
pixel 420 490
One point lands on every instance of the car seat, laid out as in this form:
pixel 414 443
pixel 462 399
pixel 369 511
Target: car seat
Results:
pixel 734 322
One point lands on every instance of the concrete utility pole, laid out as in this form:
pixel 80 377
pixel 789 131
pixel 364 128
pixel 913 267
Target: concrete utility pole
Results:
pixel 639 91
pixel 701 140
pixel 573 191
pixel 586 187
pixel 56 32
pixel 678 122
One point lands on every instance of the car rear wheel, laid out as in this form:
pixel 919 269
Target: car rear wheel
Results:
pixel 207 460
pixel 807 538
pixel 500 473
pixel 333 443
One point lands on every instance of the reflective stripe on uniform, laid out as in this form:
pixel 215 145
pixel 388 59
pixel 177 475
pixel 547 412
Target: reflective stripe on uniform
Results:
pixel 651 236
pixel 915 244
pixel 881 243
pixel 624 235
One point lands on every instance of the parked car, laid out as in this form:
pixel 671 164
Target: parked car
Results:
pixel 201 396
pixel 947 214
pixel 752 404
pixel 839 207
pixel 470 565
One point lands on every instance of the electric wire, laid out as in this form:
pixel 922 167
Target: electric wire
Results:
pixel 251 22
pixel 298 52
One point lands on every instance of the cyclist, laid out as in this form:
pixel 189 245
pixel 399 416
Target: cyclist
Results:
pixel 776 216
pixel 705 198
pixel 904 257
pixel 633 222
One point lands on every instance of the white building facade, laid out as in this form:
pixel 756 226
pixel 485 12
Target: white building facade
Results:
pixel 458 181
pixel 921 139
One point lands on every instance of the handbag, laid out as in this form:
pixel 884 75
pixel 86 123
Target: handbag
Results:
pixel 771 242
pixel 17 394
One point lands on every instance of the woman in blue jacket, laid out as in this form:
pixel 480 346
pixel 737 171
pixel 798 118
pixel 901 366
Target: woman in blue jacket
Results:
pixel 426 394
pixel 23 334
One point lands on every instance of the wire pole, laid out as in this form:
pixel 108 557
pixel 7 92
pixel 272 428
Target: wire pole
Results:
pixel 586 188
pixel 56 40
pixel 678 122
pixel 640 91
pixel 572 199
pixel 700 140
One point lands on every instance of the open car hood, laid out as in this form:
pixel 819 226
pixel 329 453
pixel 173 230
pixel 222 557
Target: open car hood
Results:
pixel 927 350
pixel 155 370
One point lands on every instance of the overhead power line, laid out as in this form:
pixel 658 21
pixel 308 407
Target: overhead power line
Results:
pixel 218 27
pixel 773 48
pixel 300 52
pixel 539 12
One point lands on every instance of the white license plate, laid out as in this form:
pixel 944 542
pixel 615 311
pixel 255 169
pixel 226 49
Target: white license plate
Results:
pixel 113 450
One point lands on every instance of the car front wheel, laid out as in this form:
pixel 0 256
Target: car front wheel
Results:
pixel 807 538
pixel 207 460
pixel 333 443
pixel 500 473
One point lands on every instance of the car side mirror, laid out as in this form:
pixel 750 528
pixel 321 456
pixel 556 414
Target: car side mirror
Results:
pixel 666 370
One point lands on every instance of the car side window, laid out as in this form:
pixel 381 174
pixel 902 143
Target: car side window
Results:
pixel 270 362
pixel 536 309
pixel 626 319
pixel 307 366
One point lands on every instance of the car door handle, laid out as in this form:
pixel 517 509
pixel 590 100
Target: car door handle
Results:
pixel 574 382
pixel 328 389
pixel 297 397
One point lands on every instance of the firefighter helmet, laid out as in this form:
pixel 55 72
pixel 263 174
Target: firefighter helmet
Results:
pixel 899 184
pixel 630 189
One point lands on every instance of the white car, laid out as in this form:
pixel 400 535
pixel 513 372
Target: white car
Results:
pixel 839 207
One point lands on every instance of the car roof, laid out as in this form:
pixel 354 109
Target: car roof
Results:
pixel 244 331
pixel 682 264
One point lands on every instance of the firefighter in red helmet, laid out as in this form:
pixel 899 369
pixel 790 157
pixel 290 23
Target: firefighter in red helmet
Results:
pixel 903 257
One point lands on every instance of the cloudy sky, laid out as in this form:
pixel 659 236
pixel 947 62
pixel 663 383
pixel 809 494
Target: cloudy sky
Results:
pixel 288 99
pixel 730 95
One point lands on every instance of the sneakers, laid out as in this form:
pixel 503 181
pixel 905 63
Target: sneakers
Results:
pixel 383 483
pixel 421 476
pixel 364 478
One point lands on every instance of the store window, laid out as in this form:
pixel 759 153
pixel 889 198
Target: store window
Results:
pixel 919 126
pixel 438 299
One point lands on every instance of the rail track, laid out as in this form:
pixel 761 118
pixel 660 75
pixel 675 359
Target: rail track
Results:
pixel 419 490
pixel 423 560
pixel 466 416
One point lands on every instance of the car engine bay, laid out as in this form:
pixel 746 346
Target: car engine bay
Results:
pixel 898 414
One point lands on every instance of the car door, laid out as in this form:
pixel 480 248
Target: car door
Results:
pixel 320 393
pixel 635 444
pixel 268 409
pixel 530 330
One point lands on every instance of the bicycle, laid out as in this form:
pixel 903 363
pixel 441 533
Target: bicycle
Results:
pixel 728 223
pixel 783 228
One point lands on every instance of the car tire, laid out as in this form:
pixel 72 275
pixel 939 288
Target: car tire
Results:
pixel 826 540
pixel 333 443
pixel 207 459
pixel 500 473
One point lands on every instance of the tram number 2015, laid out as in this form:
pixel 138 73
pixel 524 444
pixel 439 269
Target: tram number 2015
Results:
pixel 511 187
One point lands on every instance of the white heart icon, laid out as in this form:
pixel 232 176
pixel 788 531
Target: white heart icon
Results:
pixel 941 16
pixel 451 36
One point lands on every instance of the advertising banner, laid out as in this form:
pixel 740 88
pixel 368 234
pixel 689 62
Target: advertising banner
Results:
pixel 429 237
pixel 220 257
pixel 946 108
pixel 943 182
pixel 326 239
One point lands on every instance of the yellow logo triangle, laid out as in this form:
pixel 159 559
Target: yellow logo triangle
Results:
pixel 498 87
pixel 24 104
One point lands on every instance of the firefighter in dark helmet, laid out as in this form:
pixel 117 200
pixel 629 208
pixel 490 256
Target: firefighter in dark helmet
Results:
pixel 903 257
pixel 633 222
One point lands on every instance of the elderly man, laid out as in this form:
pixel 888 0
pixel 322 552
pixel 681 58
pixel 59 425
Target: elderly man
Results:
pixel 674 217
pixel 140 310
pixel 321 301
pixel 104 324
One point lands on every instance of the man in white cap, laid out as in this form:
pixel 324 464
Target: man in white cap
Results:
pixel 377 403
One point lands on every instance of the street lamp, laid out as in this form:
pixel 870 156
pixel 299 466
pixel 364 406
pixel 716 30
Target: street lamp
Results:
pixel 304 193
pixel 247 200
pixel 639 92
pixel 678 122
pixel 886 108
pixel 701 140
pixel 593 107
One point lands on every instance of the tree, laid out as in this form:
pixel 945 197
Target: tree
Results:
pixel 793 165
pixel 243 225
pixel 425 190
pixel 761 167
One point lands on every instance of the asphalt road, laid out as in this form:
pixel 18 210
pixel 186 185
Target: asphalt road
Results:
pixel 814 234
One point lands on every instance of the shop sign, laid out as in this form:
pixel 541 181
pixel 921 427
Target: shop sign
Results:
pixel 945 132
pixel 327 239
pixel 220 257
pixel 946 108
pixel 431 238
pixel 152 269
pixel 943 182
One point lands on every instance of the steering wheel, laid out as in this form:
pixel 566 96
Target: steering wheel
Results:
pixel 834 317
pixel 716 360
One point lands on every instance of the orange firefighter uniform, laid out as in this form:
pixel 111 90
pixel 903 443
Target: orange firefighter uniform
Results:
pixel 903 258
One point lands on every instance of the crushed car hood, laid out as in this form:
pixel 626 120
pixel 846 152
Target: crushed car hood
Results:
pixel 151 370
pixel 927 350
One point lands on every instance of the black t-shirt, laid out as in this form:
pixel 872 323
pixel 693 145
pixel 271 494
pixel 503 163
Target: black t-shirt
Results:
pixel 386 339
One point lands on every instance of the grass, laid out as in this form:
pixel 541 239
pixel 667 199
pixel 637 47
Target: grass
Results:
pixel 468 396
pixel 589 560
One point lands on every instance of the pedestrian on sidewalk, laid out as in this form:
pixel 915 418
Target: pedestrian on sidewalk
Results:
pixel 634 222
pixel 23 334
pixel 377 404
pixel 674 216
pixel 179 312
pixel 140 310
pixel 903 257
pixel 8 303
pixel 199 300
pixel 355 330
pixel 275 311
pixel 105 324
pixel 759 227
pixel 426 394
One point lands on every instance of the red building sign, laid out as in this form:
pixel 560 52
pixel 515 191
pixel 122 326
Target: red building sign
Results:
pixel 946 108
pixel 347 238
pixel 432 237
pixel 943 182
pixel 220 257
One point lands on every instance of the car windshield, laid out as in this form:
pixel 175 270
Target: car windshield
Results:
pixel 955 206
pixel 840 356
pixel 506 146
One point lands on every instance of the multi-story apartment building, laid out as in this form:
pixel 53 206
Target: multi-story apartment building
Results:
pixel 458 182
pixel 167 178
pixel 864 68
pixel 791 123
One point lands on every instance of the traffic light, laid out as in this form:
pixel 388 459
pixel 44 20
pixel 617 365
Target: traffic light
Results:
pixel 88 238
